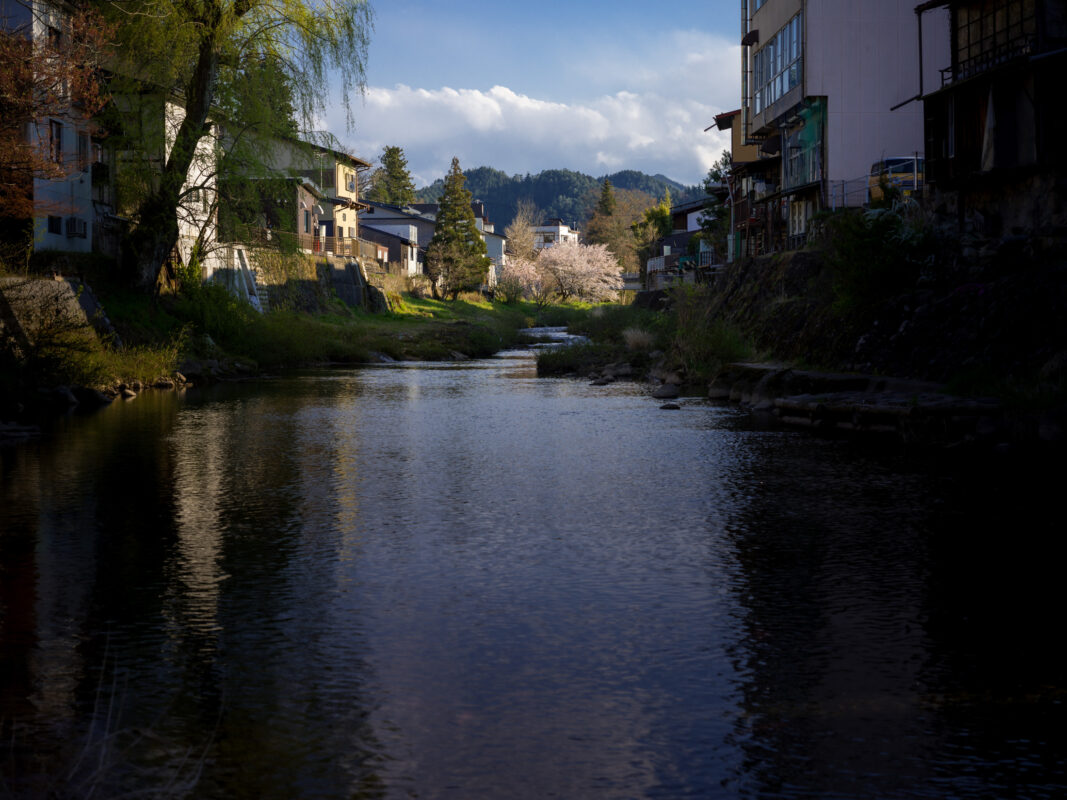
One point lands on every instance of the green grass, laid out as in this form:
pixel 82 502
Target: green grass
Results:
pixel 606 323
pixel 578 359
pixel 207 321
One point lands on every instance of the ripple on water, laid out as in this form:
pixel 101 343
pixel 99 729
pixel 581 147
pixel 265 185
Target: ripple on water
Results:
pixel 459 580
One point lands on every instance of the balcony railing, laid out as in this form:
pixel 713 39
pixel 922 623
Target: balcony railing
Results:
pixel 341 246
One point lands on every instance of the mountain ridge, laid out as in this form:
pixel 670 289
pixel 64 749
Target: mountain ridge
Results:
pixel 558 193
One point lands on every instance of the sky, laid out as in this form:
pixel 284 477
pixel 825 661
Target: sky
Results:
pixel 590 85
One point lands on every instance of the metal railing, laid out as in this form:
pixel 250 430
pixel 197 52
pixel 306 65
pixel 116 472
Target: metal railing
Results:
pixel 342 246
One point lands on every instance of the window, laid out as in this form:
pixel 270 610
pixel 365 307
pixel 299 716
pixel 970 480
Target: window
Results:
pixel 76 228
pixel 778 66
pixel 351 233
pixel 55 141
pixel 55 37
pixel 307 222
pixel 55 225
pixel 83 151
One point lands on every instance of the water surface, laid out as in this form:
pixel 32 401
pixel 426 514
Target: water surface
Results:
pixel 459 580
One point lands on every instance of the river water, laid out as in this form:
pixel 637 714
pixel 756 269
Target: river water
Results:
pixel 461 581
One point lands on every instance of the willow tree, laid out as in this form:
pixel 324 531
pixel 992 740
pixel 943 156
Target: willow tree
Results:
pixel 196 47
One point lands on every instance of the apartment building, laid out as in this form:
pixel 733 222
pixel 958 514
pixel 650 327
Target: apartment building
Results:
pixel 829 87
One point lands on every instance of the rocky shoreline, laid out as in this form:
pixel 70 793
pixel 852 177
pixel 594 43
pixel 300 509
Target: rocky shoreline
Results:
pixel 915 413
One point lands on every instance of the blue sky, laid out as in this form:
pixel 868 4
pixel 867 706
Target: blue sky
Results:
pixel 586 85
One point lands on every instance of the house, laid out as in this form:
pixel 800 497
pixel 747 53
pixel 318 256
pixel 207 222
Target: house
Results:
pixel 405 224
pixel 336 173
pixel 79 207
pixel 415 223
pixel 495 243
pixel 271 211
pixel 994 120
pixel 825 91
pixel 61 188
pixel 398 252
pixel 746 182
pixel 681 257
pixel 552 232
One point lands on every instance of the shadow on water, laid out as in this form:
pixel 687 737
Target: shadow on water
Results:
pixel 460 580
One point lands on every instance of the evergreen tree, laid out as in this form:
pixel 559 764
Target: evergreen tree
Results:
pixel 715 221
pixel 606 205
pixel 456 257
pixel 392 182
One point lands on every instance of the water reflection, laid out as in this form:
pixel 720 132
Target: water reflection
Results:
pixel 460 580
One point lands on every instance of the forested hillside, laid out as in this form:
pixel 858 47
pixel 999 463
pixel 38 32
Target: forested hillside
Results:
pixel 561 193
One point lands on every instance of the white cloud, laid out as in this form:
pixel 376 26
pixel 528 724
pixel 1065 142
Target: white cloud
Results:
pixel 655 123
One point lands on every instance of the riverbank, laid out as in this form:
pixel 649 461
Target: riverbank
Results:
pixel 204 335
pixel 971 355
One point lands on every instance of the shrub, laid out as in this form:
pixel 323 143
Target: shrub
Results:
pixel 214 310
pixel 703 343
pixel 875 254
pixel 638 339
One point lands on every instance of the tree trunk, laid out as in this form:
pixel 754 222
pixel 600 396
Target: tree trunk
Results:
pixel 156 234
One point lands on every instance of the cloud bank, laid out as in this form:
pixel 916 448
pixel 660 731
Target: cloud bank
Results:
pixel 656 124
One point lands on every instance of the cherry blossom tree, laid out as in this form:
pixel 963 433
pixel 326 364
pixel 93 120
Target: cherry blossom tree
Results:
pixel 585 271
pixel 523 277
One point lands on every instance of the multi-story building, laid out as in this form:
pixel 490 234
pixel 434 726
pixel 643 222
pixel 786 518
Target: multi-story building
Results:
pixel 62 194
pixel 825 91
pixel 995 118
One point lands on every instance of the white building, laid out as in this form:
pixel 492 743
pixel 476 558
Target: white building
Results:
pixel 552 232
pixel 63 204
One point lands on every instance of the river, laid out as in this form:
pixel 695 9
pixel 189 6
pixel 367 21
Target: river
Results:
pixel 459 580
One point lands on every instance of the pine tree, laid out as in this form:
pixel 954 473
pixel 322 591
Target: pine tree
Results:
pixel 392 182
pixel 606 205
pixel 456 256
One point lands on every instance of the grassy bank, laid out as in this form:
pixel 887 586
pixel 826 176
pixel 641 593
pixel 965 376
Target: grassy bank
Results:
pixel 684 338
pixel 155 336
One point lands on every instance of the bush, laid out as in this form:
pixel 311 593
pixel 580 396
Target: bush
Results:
pixel 638 339
pixel 607 323
pixel 703 343
pixel 214 310
pixel 875 254
pixel 579 358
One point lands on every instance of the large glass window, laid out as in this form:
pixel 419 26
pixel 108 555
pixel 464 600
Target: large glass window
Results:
pixel 778 65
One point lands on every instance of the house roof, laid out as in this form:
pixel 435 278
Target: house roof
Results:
pixel 690 205
pixel 724 120
pixel 359 163
pixel 477 206
pixel 404 211
pixel 382 237
pixel 676 241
